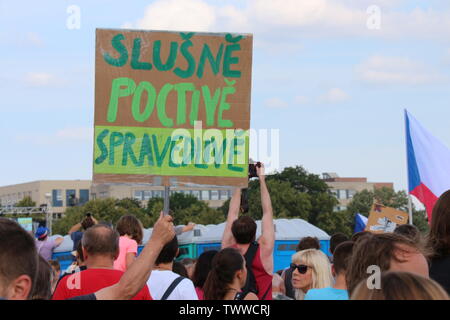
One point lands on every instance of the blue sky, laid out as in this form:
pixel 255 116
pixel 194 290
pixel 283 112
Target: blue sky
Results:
pixel 335 88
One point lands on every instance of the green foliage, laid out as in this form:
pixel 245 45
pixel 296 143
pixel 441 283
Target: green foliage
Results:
pixel 26 202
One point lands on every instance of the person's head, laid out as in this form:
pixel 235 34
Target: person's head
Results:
pixel 409 231
pixel 311 270
pixel 308 243
pixel 439 237
pixel 388 252
pixel 79 254
pixel 244 230
pixel 18 261
pixel 341 257
pixel 42 289
pixel 100 240
pixel 360 235
pixel 168 252
pixel 87 222
pixel 228 269
pixel 189 264
pixel 130 226
pixel 56 269
pixel 202 268
pixel 278 284
pixel 41 233
pixel 400 286
pixel 179 269
pixel 336 239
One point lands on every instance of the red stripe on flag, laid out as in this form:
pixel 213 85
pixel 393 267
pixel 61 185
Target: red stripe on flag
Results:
pixel 424 195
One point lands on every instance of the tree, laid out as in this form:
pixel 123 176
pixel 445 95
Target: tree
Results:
pixel 26 202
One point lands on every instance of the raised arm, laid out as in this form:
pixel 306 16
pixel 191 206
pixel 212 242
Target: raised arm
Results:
pixel 233 214
pixel 75 228
pixel 267 240
pixel 134 279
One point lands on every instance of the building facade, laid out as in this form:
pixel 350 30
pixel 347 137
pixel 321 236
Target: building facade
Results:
pixel 57 194
pixel 345 188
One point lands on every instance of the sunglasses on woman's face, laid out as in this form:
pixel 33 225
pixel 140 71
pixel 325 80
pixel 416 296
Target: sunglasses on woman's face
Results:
pixel 301 268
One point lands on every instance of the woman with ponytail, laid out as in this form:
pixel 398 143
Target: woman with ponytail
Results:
pixel 227 276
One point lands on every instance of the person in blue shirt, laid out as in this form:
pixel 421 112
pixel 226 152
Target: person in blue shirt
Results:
pixel 338 291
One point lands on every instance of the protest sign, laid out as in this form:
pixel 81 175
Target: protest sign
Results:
pixel 385 219
pixel 172 104
pixel 26 223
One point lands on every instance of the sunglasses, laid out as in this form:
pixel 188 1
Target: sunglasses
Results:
pixel 301 268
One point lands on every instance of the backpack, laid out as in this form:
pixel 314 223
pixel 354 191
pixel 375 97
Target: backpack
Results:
pixel 250 283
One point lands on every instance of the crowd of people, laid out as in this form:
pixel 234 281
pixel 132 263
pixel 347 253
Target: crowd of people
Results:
pixel 402 265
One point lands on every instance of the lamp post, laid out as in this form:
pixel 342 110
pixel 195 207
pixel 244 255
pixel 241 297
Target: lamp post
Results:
pixel 49 214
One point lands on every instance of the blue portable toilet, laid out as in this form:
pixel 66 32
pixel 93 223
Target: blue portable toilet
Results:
pixel 63 253
pixel 288 233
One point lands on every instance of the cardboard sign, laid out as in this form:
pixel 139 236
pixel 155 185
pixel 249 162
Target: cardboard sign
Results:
pixel 172 104
pixel 385 219
pixel 26 223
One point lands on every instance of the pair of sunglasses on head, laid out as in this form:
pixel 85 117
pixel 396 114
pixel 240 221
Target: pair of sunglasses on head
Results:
pixel 301 268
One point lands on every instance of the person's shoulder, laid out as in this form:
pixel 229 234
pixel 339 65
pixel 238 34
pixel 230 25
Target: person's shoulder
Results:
pixel 313 294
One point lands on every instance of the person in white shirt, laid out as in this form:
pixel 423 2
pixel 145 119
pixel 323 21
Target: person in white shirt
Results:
pixel 163 283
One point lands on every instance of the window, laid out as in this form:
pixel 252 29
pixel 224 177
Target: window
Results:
pixel 84 196
pixel 147 195
pixel 158 194
pixel 224 194
pixel 138 194
pixel 196 193
pixel 342 194
pixel 214 194
pixel 351 193
pixel 205 195
pixel 71 200
pixel 57 198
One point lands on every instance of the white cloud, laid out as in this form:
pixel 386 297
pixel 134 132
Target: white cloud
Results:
pixel 275 103
pixel 184 15
pixel 41 79
pixel 295 19
pixel 396 70
pixel 334 95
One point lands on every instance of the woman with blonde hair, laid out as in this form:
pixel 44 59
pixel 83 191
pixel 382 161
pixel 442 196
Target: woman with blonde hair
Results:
pixel 400 286
pixel 311 270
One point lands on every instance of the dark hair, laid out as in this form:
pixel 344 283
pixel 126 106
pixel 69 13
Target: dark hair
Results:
pixel 378 250
pixel 180 269
pixel 18 254
pixel 359 235
pixel 102 240
pixel 342 255
pixel 308 243
pixel 439 237
pixel 42 289
pixel 80 255
pixel 244 230
pixel 131 226
pixel 224 267
pixel 409 231
pixel 55 265
pixel 168 252
pixel 336 239
pixel 87 222
pixel 202 268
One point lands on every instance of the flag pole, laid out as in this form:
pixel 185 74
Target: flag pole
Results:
pixel 407 170
pixel 410 209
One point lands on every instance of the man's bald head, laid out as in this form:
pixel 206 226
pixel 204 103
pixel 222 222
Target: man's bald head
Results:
pixel 101 240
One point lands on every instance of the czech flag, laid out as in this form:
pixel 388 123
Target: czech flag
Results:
pixel 360 223
pixel 428 164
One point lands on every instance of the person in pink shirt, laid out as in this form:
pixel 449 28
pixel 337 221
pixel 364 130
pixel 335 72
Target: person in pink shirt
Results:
pixel 130 231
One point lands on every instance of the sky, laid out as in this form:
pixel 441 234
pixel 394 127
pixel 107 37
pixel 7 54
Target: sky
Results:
pixel 332 76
